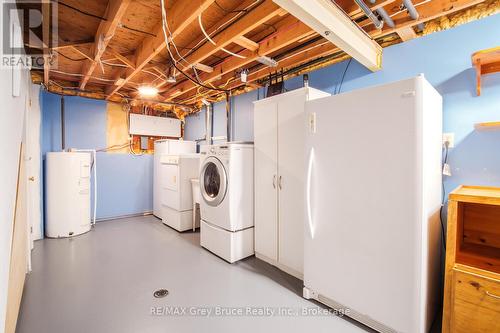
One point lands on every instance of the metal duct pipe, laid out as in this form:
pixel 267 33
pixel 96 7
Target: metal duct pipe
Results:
pixel 385 17
pixel 229 118
pixel 412 11
pixel 208 123
pixel 368 12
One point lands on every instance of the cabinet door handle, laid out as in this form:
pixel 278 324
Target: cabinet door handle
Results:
pixel 492 295
pixel 279 183
pixel 274 181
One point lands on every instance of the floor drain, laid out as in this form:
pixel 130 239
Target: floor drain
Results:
pixel 160 293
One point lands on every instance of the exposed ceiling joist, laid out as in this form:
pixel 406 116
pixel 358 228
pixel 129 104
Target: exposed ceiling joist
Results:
pixel 332 23
pixel 114 13
pixel 179 17
pixel 287 35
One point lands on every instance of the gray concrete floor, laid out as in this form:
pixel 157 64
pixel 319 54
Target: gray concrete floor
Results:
pixel 103 281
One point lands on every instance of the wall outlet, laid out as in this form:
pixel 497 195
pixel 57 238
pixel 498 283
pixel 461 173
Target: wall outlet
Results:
pixel 450 138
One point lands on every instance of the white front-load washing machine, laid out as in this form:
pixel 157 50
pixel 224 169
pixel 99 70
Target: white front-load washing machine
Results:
pixel 226 185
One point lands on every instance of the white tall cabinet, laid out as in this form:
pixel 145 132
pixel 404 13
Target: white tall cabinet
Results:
pixel 279 134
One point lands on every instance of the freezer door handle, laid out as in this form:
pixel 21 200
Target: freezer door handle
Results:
pixel 279 183
pixel 308 193
pixel 274 181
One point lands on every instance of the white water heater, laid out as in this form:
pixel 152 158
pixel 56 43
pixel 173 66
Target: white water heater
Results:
pixel 67 184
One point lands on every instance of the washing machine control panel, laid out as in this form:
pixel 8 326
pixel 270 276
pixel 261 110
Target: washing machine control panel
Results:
pixel 220 151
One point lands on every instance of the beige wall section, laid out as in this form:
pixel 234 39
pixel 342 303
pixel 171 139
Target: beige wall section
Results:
pixel 116 128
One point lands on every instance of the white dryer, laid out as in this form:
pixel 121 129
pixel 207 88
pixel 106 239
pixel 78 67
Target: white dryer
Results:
pixel 177 198
pixel 226 185
pixel 166 146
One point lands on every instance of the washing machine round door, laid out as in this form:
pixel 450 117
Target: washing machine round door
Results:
pixel 213 181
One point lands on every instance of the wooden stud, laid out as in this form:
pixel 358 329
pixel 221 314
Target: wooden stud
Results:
pixel 406 34
pixel 129 62
pixel 114 13
pixel 204 68
pixel 246 43
pixel 85 55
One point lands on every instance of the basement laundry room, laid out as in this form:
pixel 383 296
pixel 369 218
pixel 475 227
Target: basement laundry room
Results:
pixel 249 166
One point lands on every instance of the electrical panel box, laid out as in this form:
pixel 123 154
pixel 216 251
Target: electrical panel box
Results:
pixel 154 126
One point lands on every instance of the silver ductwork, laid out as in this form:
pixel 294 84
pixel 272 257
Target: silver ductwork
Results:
pixel 385 17
pixel 412 11
pixel 371 15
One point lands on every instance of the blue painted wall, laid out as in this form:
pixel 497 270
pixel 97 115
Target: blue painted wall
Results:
pixel 125 181
pixel 445 60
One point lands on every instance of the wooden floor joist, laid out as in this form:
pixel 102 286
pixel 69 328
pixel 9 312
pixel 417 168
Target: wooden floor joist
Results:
pixel 106 30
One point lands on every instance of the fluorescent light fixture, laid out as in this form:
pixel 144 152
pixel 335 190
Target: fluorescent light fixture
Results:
pixel 147 91
pixel 267 61
pixel 328 20
pixel 204 101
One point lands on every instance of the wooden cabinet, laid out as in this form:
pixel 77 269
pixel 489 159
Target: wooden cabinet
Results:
pixel 279 134
pixel 472 271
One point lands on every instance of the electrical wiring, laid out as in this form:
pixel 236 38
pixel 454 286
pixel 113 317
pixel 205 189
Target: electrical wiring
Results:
pixel 100 18
pixel 114 147
pixel 443 198
pixel 223 25
pixel 212 41
pixel 229 11
pixel 343 76
pixel 81 75
pixel 104 62
pixel 174 63
pixel 69 58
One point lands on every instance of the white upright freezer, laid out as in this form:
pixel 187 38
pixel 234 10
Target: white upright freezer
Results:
pixel 373 196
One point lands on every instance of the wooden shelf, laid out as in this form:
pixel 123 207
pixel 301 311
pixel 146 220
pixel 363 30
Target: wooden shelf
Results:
pixel 487 125
pixel 486 62
pixel 476 194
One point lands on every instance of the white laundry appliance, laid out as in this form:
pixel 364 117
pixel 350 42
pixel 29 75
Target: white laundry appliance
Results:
pixel 177 199
pixel 166 146
pixel 226 185
pixel 373 197
pixel 68 189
